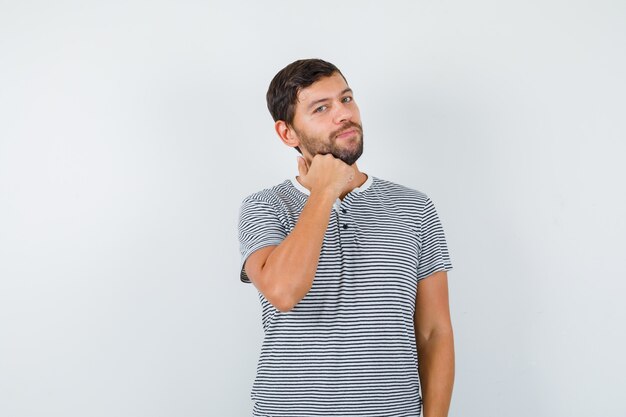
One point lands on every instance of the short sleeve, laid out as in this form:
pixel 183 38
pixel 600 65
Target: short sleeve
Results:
pixel 433 254
pixel 259 226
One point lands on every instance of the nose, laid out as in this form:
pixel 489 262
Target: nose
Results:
pixel 343 113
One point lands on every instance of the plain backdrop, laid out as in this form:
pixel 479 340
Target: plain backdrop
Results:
pixel 130 131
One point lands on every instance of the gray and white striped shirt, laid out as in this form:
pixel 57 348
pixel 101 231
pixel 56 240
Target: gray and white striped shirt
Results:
pixel 348 347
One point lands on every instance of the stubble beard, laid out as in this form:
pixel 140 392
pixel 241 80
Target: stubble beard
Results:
pixel 348 154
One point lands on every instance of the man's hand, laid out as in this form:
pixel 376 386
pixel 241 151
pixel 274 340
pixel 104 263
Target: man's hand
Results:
pixel 284 273
pixel 326 173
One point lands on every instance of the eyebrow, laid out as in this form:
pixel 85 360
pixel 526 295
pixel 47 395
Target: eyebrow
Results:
pixel 321 100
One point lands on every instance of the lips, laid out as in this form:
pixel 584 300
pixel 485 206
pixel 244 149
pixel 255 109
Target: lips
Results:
pixel 346 133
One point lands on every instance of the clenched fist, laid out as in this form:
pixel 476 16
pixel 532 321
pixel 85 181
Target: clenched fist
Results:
pixel 325 173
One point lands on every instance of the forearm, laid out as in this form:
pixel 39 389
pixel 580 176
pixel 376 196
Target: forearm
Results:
pixel 290 269
pixel 436 370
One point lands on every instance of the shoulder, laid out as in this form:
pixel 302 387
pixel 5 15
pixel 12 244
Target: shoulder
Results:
pixel 283 198
pixel 399 193
pixel 271 195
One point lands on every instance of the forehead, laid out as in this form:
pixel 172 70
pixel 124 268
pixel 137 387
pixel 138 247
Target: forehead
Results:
pixel 325 87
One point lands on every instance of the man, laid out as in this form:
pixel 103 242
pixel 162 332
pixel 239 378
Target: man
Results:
pixel 350 268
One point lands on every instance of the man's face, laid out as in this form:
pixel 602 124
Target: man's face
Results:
pixel 327 120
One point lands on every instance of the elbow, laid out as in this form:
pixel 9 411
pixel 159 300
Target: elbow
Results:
pixel 283 303
pixel 282 294
pixel 282 299
pixel 283 307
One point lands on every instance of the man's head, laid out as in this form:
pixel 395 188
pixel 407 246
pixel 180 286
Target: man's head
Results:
pixel 314 109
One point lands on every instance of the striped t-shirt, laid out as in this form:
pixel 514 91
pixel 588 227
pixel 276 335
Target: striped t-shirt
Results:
pixel 348 347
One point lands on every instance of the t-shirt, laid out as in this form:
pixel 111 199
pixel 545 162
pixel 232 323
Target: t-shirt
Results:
pixel 348 347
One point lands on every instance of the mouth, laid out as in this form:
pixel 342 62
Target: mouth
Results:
pixel 346 134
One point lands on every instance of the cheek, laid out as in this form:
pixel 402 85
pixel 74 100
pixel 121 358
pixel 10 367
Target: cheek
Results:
pixel 317 128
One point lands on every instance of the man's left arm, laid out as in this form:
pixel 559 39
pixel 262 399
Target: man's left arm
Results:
pixel 435 344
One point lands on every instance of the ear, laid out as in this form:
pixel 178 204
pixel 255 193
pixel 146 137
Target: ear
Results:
pixel 286 134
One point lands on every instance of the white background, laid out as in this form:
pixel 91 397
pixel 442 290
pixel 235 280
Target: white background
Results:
pixel 130 131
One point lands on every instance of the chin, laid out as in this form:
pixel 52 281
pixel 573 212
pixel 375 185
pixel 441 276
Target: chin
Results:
pixel 350 160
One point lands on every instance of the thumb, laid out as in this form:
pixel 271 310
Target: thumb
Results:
pixel 302 168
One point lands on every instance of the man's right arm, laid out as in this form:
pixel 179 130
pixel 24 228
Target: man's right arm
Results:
pixel 284 273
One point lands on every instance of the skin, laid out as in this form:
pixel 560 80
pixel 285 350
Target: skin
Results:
pixel 327 128
pixel 326 121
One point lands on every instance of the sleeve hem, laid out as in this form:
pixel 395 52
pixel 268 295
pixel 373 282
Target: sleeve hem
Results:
pixel 439 268
pixel 242 273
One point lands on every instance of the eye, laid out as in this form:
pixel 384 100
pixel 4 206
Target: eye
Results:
pixel 320 109
pixel 347 99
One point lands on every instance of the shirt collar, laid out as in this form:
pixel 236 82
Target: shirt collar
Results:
pixel 305 190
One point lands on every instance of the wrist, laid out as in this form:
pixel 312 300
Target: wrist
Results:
pixel 324 193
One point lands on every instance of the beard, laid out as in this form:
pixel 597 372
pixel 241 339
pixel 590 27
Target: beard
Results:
pixel 348 150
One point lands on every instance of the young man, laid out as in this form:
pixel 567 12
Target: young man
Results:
pixel 350 268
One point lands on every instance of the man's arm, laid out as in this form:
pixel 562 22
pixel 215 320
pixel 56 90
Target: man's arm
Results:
pixel 435 344
pixel 284 273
